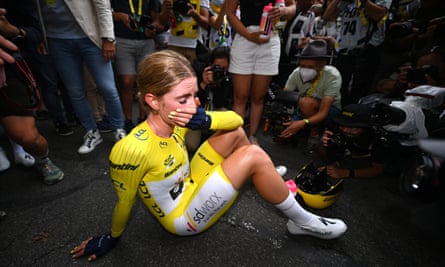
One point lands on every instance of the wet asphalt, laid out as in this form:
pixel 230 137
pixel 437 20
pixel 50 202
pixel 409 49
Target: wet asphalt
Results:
pixel 43 223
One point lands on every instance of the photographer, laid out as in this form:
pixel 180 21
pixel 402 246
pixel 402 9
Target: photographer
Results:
pixel 215 85
pixel 350 145
pixel 319 85
pixel 428 69
pixel 188 18
pixel 214 91
pixel 135 26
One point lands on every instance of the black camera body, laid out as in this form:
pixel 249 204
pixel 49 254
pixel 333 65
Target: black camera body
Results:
pixel 402 29
pixel 417 75
pixel 337 145
pixel 181 6
pixel 146 21
pixel 219 75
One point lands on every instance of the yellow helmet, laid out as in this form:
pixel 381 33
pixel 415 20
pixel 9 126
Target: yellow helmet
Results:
pixel 316 189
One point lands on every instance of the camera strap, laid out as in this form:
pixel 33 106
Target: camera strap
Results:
pixel 137 16
pixel 311 90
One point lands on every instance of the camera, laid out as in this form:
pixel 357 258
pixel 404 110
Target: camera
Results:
pixel 181 6
pixel 417 75
pixel 146 22
pixel 337 145
pixel 401 29
pixel 219 74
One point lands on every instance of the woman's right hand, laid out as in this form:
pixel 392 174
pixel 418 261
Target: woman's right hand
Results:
pixel 259 37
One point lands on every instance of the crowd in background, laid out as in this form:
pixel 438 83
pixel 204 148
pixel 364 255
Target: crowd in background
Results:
pixel 84 59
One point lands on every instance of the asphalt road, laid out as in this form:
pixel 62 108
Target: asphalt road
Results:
pixel 385 227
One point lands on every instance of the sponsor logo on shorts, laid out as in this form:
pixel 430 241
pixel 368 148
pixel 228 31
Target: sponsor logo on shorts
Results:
pixel 206 210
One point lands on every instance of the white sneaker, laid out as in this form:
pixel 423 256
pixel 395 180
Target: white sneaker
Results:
pixel 281 169
pixel 119 134
pixel 24 159
pixel 324 228
pixel 4 161
pixel 91 140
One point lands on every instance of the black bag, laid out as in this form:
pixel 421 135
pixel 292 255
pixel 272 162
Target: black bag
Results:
pixel 21 88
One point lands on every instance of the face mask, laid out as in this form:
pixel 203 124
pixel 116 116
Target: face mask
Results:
pixel 307 74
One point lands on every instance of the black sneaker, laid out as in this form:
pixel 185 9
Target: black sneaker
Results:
pixel 63 129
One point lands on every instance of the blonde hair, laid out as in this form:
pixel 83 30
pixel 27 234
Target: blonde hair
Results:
pixel 160 71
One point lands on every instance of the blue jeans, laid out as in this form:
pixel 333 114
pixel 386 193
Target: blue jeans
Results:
pixel 53 91
pixel 69 55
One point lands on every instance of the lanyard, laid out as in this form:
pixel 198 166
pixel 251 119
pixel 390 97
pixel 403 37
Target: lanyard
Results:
pixel 314 84
pixel 130 2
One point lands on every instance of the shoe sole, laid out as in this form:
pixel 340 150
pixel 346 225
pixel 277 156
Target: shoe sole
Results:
pixel 299 231
pixel 83 153
pixel 65 134
pixel 54 181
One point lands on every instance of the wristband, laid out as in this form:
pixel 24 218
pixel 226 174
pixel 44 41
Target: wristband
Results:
pixel 306 122
pixel 351 173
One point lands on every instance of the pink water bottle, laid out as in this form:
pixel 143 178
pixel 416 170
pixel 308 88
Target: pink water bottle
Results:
pixel 265 23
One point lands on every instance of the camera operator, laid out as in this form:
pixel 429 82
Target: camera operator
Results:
pixel 350 145
pixel 319 84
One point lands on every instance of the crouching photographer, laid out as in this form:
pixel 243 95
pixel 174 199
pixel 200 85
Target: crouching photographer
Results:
pixel 214 88
pixel 351 146
pixel 215 85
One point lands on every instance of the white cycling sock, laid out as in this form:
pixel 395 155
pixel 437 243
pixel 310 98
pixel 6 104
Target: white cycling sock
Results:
pixel 294 211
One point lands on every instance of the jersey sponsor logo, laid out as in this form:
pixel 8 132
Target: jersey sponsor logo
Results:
pixel 119 184
pixel 169 161
pixel 163 144
pixel 205 212
pixel 177 189
pixel 351 13
pixel 140 135
pixel 167 174
pixel 211 163
pixel 124 166
pixel 154 206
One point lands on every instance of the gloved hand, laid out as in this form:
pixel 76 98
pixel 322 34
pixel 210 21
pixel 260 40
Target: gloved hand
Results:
pixel 100 245
pixel 199 120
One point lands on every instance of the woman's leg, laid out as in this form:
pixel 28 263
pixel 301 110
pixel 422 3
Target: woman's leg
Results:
pixel 241 92
pixel 244 161
pixel 260 83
